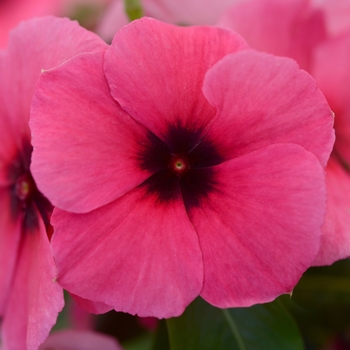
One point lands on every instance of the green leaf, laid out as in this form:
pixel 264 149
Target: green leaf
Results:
pixel 260 327
pixel 161 339
pixel 133 9
pixel 143 342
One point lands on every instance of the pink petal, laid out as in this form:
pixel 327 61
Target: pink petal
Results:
pixel 90 306
pixel 8 145
pixel 332 73
pixel 285 28
pixel 335 240
pixel 337 14
pixel 187 12
pixel 97 160
pixel 262 99
pixel 14 11
pixel 112 20
pixel 158 95
pixel 79 340
pixel 259 230
pixel 135 254
pixel 40 43
pixel 35 299
pixel 9 240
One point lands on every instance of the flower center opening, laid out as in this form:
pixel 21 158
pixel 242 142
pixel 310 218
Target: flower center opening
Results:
pixel 179 165
pixel 24 187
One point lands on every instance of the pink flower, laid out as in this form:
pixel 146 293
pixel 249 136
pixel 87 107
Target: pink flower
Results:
pixel 30 298
pixel 184 165
pixel 184 12
pixel 79 340
pixel 289 28
pixel 14 11
pixel 337 14
pixel 332 72
pixel 297 29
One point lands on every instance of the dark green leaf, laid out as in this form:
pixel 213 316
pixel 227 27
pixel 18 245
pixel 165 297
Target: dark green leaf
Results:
pixel 161 339
pixel 260 327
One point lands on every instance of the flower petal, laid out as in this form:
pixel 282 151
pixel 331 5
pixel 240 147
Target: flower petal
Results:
pixel 97 160
pixel 35 299
pixel 332 73
pixel 266 203
pixel 262 99
pixel 135 254
pixel 9 240
pixel 38 44
pixel 335 240
pixel 187 12
pixel 156 70
pixel 284 28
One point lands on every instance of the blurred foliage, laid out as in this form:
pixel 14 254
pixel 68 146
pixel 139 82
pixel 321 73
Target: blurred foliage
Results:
pixel 133 9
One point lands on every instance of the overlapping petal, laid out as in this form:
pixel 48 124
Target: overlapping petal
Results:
pixel 147 254
pixel 80 170
pixel 263 204
pixel 277 104
pixel 332 72
pixel 158 95
pixel 36 298
pixel 35 45
pixel 335 242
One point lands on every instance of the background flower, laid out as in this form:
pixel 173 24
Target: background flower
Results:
pixel 30 298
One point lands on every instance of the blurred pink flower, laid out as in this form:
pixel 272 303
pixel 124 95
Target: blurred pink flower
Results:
pixel 337 14
pixel 12 12
pixel 183 12
pixel 296 28
pixel 203 175
pixel 30 298
pixel 331 69
pixel 290 28
pixel 79 340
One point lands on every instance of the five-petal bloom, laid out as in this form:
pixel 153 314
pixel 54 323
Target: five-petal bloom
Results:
pixel 30 298
pixel 183 164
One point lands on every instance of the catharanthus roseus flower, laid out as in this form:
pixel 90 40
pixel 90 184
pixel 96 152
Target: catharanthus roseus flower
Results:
pixel 185 165
pixel 332 72
pixel 183 12
pixel 30 299
pixel 289 28
pixel 296 28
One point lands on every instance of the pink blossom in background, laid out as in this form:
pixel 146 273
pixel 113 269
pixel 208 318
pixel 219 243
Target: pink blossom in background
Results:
pixel 79 340
pixel 327 59
pixel 12 12
pixel 196 178
pixel 337 14
pixel 183 12
pixel 289 28
pixel 30 298
pixel 332 72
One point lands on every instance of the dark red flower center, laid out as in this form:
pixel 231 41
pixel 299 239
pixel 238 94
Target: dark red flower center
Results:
pixel 27 202
pixel 25 187
pixel 179 164
pixel 182 164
